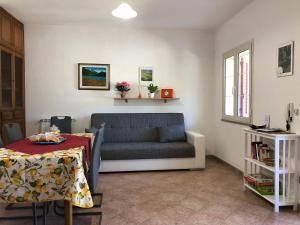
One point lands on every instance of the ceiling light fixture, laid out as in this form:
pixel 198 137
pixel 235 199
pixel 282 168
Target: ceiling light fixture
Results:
pixel 124 11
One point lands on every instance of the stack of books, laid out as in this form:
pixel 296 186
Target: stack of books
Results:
pixel 262 152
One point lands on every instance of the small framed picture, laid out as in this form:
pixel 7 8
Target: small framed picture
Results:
pixel 145 75
pixel 93 76
pixel 285 59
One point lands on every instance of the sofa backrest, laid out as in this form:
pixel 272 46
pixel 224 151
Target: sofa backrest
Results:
pixel 134 127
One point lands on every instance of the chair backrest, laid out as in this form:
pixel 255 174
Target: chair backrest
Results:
pixel 13 132
pixel 64 123
pixel 95 160
pixel 1 143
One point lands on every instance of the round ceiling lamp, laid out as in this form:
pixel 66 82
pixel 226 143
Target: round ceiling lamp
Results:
pixel 124 11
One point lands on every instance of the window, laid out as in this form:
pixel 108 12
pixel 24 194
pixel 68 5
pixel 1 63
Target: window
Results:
pixel 237 84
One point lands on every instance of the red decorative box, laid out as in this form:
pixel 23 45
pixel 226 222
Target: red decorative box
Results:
pixel 167 93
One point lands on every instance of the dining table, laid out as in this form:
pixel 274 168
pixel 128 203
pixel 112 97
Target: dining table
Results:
pixel 32 172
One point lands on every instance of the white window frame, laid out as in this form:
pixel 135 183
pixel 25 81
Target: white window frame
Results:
pixel 235 52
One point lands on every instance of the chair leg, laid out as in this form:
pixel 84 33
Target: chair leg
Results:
pixel 34 217
pixel 12 206
pixel 98 194
pixel 55 207
pixel 56 211
pixel 45 212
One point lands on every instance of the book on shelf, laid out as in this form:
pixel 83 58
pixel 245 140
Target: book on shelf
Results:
pixel 260 151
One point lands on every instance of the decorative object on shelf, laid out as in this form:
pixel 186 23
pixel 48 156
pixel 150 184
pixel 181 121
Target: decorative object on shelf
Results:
pixel 140 90
pixel 145 75
pixel 167 93
pixel 152 89
pixel 93 76
pixel 285 59
pixel 123 87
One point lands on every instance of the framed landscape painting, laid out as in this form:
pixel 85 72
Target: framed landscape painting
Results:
pixel 93 76
pixel 145 75
pixel 285 59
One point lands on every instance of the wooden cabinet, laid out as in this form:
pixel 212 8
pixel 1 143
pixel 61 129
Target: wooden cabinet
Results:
pixel 19 86
pixel 6 29
pixel 6 63
pixel 12 78
pixel 19 37
pixel 12 32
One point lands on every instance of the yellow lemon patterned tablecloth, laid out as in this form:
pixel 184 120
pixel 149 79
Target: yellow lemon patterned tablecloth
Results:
pixel 51 176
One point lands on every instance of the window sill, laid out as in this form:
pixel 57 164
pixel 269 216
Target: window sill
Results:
pixel 236 122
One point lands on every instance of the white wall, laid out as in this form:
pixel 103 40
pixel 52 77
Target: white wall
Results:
pixel 182 59
pixel 269 23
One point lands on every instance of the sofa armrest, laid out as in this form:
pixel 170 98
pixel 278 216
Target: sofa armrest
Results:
pixel 198 140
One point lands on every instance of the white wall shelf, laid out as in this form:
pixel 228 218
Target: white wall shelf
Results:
pixel 284 171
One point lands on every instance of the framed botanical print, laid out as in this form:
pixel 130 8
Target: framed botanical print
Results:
pixel 285 59
pixel 145 76
pixel 93 76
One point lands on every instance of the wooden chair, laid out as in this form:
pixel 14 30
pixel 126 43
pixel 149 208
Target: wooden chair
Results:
pixel 1 143
pixel 92 177
pixel 64 123
pixel 12 132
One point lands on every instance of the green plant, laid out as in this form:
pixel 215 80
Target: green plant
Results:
pixel 152 88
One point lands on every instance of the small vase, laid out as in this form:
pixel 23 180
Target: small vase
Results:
pixel 151 95
pixel 123 94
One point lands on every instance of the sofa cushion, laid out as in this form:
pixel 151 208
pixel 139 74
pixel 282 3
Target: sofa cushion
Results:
pixel 134 127
pixel 131 135
pixel 146 150
pixel 172 133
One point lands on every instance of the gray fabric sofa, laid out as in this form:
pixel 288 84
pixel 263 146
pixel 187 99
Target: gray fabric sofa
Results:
pixel 133 141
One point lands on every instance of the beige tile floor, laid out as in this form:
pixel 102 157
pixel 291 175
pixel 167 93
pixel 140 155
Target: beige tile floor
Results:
pixel 208 197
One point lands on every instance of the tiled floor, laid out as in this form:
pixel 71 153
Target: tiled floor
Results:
pixel 209 197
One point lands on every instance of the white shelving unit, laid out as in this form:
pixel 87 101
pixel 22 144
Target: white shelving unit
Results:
pixel 284 172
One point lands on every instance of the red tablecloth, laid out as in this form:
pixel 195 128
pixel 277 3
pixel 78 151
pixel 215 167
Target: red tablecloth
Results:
pixel 72 141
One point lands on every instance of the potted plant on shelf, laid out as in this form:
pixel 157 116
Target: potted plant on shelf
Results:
pixel 152 89
pixel 123 87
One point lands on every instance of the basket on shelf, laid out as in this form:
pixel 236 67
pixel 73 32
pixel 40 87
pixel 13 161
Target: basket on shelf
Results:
pixel 261 183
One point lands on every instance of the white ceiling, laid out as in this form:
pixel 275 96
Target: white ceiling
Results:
pixel 201 14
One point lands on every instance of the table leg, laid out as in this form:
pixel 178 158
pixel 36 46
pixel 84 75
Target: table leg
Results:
pixel 68 213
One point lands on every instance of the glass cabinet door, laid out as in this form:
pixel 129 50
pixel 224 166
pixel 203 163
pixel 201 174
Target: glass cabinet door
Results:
pixel 6 79
pixel 19 80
